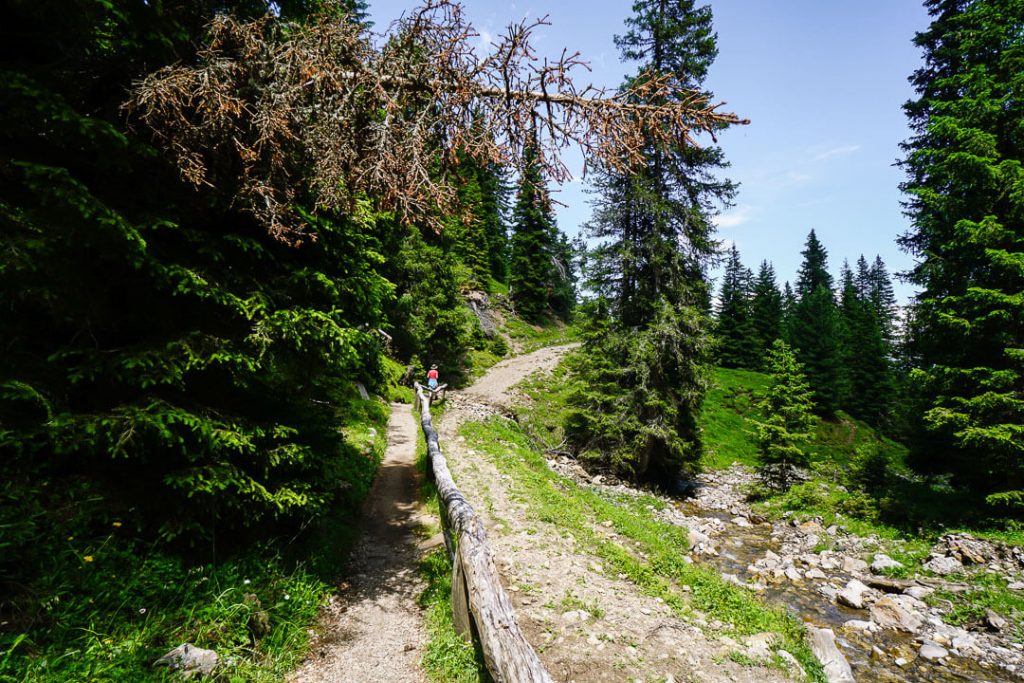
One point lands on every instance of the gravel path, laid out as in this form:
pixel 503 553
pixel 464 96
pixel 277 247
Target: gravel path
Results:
pixel 373 630
pixel 587 625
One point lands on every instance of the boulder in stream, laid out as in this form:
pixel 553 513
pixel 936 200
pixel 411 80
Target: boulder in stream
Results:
pixel 889 613
pixel 823 644
pixel 852 595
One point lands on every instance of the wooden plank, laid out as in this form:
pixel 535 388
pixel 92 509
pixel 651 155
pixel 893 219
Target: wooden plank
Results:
pixel 507 654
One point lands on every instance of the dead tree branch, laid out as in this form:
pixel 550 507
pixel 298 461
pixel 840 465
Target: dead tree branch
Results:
pixel 278 114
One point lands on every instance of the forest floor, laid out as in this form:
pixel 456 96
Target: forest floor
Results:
pixel 373 628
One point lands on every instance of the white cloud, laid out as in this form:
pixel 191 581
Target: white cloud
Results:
pixel 841 150
pixel 735 217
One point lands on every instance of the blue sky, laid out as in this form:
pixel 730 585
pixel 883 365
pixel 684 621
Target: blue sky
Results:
pixel 822 82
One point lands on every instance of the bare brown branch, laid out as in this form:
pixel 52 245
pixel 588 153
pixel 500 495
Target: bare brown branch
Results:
pixel 279 114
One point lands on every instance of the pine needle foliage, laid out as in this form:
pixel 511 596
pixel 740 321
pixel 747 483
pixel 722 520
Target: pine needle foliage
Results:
pixel 964 179
pixel 787 410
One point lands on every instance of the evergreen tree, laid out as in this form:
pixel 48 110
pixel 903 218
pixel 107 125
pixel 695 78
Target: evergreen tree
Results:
pixel 883 300
pixel 786 407
pixel 814 328
pixel 655 238
pixel 865 356
pixel 737 338
pixel 814 269
pixel 964 174
pixel 766 309
pixel 494 206
pixel 534 270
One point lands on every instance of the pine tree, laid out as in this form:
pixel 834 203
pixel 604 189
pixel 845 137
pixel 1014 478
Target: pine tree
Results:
pixel 737 338
pixel 814 269
pixel 534 270
pixel 814 328
pixel 964 174
pixel 786 407
pixel 766 309
pixel 883 301
pixel 864 354
pixel 655 237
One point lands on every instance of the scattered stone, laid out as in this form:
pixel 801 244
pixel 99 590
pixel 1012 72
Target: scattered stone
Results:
pixel 815 573
pixel 994 621
pixel 932 650
pixel 860 625
pixel 902 661
pixel 854 565
pixel 919 592
pixel 792 665
pixel 883 562
pixel 942 565
pixel 888 613
pixel 793 574
pixel 852 595
pixel 741 521
pixel 1016 585
pixel 823 644
pixel 189 660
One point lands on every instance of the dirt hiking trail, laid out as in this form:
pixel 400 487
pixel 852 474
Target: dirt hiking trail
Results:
pixel 625 635
pixel 373 631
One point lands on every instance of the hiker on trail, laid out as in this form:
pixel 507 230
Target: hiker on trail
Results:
pixel 432 377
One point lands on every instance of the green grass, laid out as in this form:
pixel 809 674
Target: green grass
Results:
pixel 989 593
pixel 653 556
pixel 532 337
pixel 109 604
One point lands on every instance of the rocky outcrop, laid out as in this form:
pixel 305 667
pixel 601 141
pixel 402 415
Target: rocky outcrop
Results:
pixel 189 660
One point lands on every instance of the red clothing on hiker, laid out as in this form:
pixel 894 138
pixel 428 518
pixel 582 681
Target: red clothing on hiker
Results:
pixel 432 374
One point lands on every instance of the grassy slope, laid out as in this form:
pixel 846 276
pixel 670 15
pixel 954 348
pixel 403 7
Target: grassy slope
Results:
pixel 112 605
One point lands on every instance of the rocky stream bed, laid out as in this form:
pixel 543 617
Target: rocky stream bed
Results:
pixel 884 629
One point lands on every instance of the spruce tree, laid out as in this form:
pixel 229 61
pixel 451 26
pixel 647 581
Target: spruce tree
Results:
pixel 737 338
pixel 866 370
pixel 766 310
pixel 964 174
pixel 535 270
pixel 814 269
pixel 655 235
pixel 814 328
pixel 786 407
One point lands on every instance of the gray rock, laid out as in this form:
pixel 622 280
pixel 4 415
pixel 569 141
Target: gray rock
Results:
pixel 883 562
pixel 995 621
pixel 189 660
pixel 1016 585
pixel 852 595
pixel 932 650
pixel 888 613
pixel 793 574
pixel 943 565
pixel 815 573
pixel 741 521
pixel 919 592
pixel 854 565
pixel 823 644
pixel 860 625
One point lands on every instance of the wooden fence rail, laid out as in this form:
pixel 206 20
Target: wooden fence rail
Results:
pixel 481 606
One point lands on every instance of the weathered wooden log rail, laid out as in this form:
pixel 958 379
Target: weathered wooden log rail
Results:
pixel 480 604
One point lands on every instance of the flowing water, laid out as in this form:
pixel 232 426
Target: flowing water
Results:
pixel 872 656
